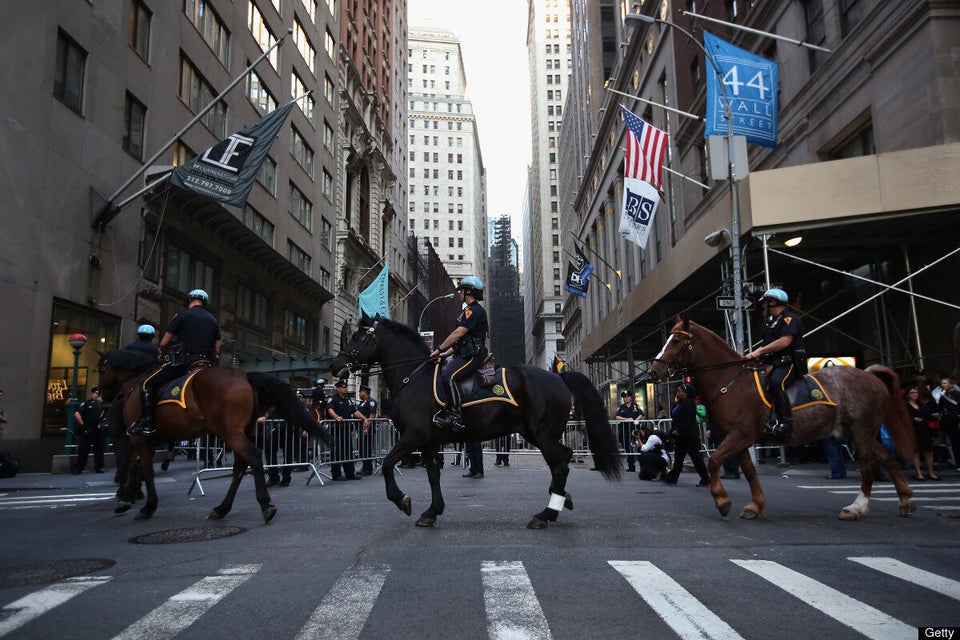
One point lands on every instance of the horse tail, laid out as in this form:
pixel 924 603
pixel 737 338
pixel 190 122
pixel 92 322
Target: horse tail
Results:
pixel 278 397
pixel 603 446
pixel 896 418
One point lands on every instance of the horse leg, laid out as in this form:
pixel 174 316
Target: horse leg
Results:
pixel 557 457
pixel 394 494
pixel 727 448
pixel 758 502
pixel 244 447
pixel 432 462
pixel 145 450
pixel 220 511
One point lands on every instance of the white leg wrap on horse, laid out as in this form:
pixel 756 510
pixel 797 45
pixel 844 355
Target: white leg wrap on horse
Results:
pixel 556 502
pixel 861 505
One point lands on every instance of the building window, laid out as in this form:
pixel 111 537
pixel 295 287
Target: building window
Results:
pixel 197 93
pixel 311 7
pixel 134 121
pixel 140 17
pixel 301 151
pixel 329 92
pixel 861 143
pixel 327 186
pixel 816 31
pixel 211 27
pixel 851 13
pixel 258 224
pixel 267 176
pixel 326 234
pixel 330 45
pixel 251 306
pixel 259 95
pixel 185 272
pixel 262 34
pixel 298 257
pixel 328 136
pixel 307 52
pixel 325 278
pixel 294 328
pixel 306 103
pixel 71 62
pixel 300 208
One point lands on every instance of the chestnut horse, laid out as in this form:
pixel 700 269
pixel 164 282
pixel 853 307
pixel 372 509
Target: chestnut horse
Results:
pixel 218 401
pixel 727 383
pixel 539 414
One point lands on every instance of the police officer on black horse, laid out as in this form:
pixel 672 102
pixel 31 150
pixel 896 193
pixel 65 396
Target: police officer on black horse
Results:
pixel 468 345
pixel 782 339
pixel 193 335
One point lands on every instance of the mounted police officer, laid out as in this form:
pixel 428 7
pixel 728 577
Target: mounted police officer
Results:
pixel 193 335
pixel 144 341
pixel 468 345
pixel 782 338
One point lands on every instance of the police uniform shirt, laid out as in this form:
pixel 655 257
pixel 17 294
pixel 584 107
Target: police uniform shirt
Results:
pixel 145 347
pixel 368 408
pixel 342 406
pixel 196 330
pixel 474 318
pixel 631 412
pixel 786 324
pixel 91 413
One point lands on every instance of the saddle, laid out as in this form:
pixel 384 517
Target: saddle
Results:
pixel 471 391
pixel 175 390
pixel 487 374
pixel 804 392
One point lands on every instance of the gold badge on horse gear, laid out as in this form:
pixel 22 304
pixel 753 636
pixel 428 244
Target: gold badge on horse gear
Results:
pixel 497 389
pixel 175 392
pixel 816 394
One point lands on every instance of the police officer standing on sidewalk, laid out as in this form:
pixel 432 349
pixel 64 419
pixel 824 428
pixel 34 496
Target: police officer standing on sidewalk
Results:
pixel 340 408
pixel 89 419
pixel 367 412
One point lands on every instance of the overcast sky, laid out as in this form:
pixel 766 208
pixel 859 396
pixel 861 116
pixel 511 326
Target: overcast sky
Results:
pixel 492 37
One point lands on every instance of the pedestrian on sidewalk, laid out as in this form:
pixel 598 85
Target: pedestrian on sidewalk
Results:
pixel 687 433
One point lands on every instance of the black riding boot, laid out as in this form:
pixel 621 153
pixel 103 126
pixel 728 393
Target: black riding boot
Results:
pixel 781 405
pixel 452 418
pixel 144 426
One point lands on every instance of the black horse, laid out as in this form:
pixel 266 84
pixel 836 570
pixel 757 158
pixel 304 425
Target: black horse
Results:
pixel 540 415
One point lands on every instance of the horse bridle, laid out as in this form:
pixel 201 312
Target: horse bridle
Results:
pixel 673 365
pixel 369 335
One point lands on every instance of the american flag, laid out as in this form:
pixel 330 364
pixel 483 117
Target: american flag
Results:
pixel 646 146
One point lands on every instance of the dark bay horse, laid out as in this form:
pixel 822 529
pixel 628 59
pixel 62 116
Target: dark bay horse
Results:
pixel 222 402
pixel 731 392
pixel 540 414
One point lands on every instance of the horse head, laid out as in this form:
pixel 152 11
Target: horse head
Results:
pixel 120 366
pixel 674 356
pixel 360 348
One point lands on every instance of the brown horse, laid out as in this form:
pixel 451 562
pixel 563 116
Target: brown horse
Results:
pixel 730 387
pixel 218 401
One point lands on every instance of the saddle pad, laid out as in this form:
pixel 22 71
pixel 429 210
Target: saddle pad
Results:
pixel 175 390
pixel 471 393
pixel 802 393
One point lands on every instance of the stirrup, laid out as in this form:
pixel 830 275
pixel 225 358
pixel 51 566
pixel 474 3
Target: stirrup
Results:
pixel 142 427
pixel 777 428
pixel 448 420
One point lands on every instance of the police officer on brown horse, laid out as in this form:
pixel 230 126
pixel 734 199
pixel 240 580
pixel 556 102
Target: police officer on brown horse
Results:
pixel 782 338
pixel 468 345
pixel 193 335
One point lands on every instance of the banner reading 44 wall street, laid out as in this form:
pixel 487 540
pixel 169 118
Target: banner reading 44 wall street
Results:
pixel 751 83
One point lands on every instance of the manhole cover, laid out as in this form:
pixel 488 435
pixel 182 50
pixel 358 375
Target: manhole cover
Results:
pixel 193 534
pixel 51 571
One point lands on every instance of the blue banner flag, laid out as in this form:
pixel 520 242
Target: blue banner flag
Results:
pixel 751 83
pixel 374 299
pixel 578 274
pixel 226 171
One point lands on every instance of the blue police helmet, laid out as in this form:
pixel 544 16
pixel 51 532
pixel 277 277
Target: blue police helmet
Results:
pixel 198 294
pixel 146 330
pixel 472 284
pixel 778 295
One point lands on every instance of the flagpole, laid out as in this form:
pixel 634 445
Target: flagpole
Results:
pixel 686 177
pixel 393 308
pixel 599 257
pixel 799 43
pixel 606 284
pixel 655 104
pixel 108 212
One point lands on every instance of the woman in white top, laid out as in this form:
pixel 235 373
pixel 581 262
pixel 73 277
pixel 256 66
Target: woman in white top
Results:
pixel 653 458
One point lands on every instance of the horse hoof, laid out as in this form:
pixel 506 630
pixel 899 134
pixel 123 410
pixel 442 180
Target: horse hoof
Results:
pixel 426 521
pixel 568 502
pixel 537 523
pixel 123 507
pixel 847 514
pixel 215 515
pixel 906 509
pixel 749 514
pixel 268 513
pixel 143 516
pixel 406 505
pixel 724 509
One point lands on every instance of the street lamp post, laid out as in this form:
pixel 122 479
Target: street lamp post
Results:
pixel 734 202
pixel 76 341
pixel 420 321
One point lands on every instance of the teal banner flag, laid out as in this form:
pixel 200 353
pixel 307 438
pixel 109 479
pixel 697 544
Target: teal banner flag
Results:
pixel 374 300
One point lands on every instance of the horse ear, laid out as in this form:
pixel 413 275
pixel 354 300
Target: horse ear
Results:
pixel 685 319
pixel 364 319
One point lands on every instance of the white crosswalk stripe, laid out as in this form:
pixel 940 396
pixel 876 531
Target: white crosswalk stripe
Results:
pixel 842 608
pixel 18 613
pixel 919 577
pixel 675 605
pixel 344 610
pixel 941 496
pixel 513 611
pixel 52 501
pixel 183 609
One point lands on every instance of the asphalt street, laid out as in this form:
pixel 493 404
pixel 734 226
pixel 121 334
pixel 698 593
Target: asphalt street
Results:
pixel 633 559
